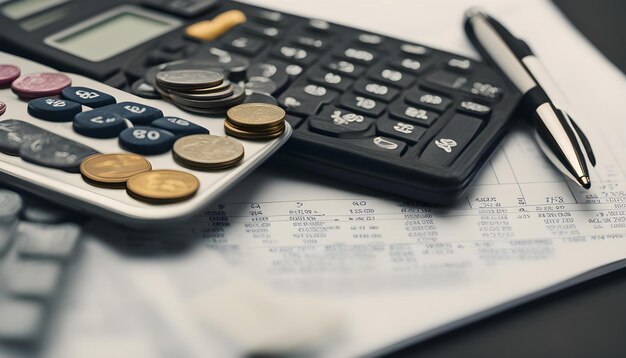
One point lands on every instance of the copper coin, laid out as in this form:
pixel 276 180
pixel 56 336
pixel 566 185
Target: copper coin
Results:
pixel 8 73
pixel 3 108
pixel 162 186
pixel 113 168
pixel 40 85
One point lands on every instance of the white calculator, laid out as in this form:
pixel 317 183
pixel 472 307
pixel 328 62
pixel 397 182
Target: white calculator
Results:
pixel 60 181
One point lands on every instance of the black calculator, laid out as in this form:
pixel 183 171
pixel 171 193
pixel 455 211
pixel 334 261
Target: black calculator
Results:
pixel 376 111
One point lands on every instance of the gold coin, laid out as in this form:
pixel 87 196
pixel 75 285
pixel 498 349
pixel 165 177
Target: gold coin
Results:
pixel 162 186
pixel 205 150
pixel 113 169
pixel 256 115
pixel 246 134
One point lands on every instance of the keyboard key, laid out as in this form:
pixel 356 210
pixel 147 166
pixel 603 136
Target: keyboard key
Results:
pixel 268 32
pixel 380 144
pixel 14 133
pixel 137 113
pixel 315 43
pixel 330 79
pixel 375 90
pixel 473 108
pixel 396 129
pixel 388 75
pixel 362 105
pixel 360 55
pixel 146 140
pixel 340 123
pixel 53 109
pixel 306 100
pixel 99 124
pixel 452 80
pixel 459 64
pixel 320 26
pixel 184 8
pixel 21 321
pixel 87 96
pixel 246 45
pixel 345 67
pixel 53 151
pixel 32 278
pixel 273 70
pixel 48 241
pixel 409 64
pixel 404 112
pixel 451 140
pixel 270 17
pixel 428 100
pixel 371 40
pixel 180 127
pixel 295 55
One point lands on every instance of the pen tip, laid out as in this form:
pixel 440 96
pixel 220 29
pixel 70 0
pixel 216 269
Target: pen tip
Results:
pixel 584 182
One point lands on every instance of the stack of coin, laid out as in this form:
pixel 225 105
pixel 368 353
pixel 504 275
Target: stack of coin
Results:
pixel 199 91
pixel 255 121
pixel 207 152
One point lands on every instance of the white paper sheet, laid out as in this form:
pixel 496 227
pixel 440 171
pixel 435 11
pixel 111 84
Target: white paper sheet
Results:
pixel 386 270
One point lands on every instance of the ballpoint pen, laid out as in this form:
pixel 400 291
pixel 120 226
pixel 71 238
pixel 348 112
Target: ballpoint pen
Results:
pixel 559 137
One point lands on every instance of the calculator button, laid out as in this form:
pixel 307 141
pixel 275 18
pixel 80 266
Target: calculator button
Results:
pixel 320 26
pixel 211 29
pixel 409 64
pixel 483 90
pixel 451 140
pixel 158 57
pixel 404 112
pixel 359 55
pixel 268 32
pixel 381 144
pixel 270 17
pixel 294 54
pixel 274 70
pixel 99 124
pixel 473 108
pixel 451 80
pixel 258 97
pixel 345 67
pixel 248 46
pixel 312 42
pixel 459 64
pixel 363 105
pixel 33 278
pixel 375 90
pixel 330 79
pixel 408 132
pixel 48 241
pixel 3 108
pixel 8 74
pixel 40 85
pixel 340 123
pixel 366 39
pixel 22 320
pixel 14 133
pixel 135 112
pixel 180 127
pixel 260 84
pixel 87 96
pixel 306 100
pixel 53 151
pixel 428 100
pixel 174 45
pixel 411 49
pixel 392 76
pixel 142 89
pixel 146 140
pixel 53 109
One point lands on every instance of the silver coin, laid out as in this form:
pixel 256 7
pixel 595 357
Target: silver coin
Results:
pixel 188 79
pixel 237 97
pixel 142 89
pixel 197 64
pixel 10 204
pixel 210 96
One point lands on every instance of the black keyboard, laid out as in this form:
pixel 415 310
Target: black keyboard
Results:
pixel 388 114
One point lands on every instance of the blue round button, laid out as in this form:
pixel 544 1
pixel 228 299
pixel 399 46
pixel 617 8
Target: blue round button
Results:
pixel 87 96
pixel 99 124
pixel 53 109
pixel 146 140
pixel 180 127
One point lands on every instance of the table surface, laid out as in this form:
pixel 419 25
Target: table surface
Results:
pixel 587 320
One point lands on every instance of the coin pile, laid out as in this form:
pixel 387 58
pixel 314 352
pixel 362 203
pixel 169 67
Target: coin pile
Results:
pixel 255 121
pixel 207 152
pixel 199 91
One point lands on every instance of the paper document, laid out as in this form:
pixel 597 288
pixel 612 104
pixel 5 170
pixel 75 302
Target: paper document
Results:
pixel 379 270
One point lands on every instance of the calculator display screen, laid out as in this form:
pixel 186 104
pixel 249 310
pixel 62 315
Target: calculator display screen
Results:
pixel 22 8
pixel 111 35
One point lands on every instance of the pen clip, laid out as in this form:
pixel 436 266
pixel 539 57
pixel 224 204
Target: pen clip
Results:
pixel 583 139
